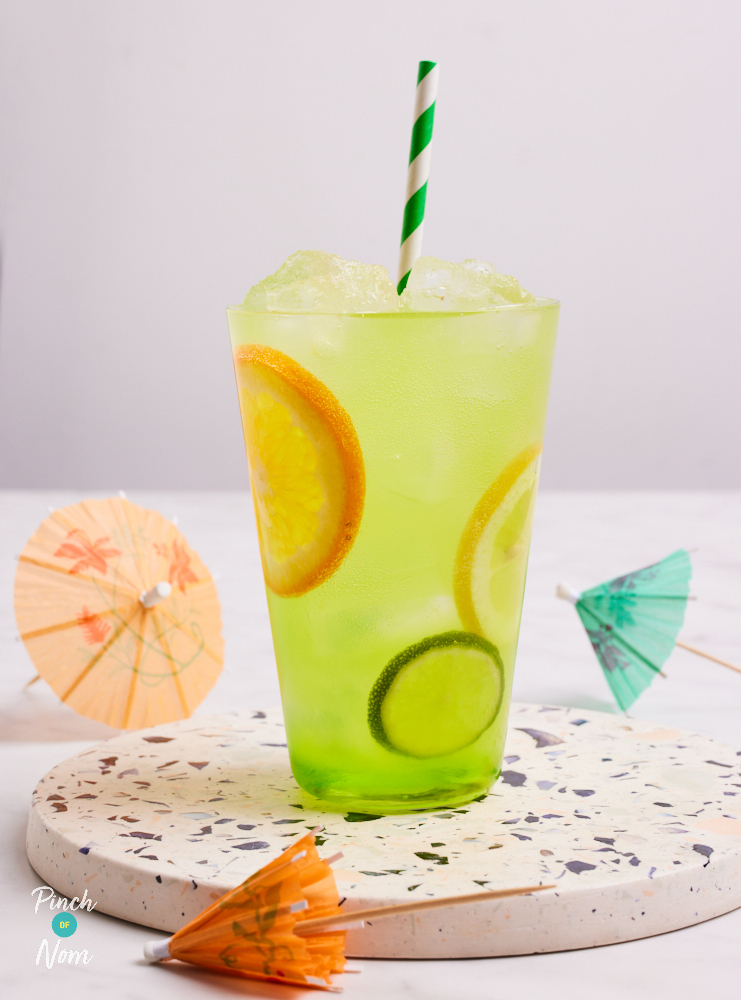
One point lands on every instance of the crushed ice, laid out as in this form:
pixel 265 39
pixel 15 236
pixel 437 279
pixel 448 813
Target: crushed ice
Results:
pixel 314 281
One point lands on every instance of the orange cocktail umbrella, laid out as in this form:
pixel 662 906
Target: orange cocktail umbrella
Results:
pixel 285 924
pixel 252 931
pixel 118 614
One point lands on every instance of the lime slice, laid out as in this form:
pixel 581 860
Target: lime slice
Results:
pixel 437 696
pixel 491 563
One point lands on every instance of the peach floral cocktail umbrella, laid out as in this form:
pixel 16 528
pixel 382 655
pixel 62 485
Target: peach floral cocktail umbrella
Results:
pixel 118 614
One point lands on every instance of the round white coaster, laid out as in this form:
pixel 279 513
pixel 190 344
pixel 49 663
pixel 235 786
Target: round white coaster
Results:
pixel 638 827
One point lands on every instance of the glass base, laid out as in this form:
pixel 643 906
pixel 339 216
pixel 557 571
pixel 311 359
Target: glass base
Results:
pixel 439 798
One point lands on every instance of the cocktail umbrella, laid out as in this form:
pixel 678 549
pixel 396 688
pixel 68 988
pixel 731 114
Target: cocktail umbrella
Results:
pixel 118 614
pixel 633 622
pixel 284 923
pixel 251 930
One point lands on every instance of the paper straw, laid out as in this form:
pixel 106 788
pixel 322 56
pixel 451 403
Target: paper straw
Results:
pixel 419 171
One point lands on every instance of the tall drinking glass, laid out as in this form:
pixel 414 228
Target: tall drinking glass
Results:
pixel 394 463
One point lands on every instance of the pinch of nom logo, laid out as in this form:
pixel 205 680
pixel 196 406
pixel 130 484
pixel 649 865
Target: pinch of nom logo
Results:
pixel 63 925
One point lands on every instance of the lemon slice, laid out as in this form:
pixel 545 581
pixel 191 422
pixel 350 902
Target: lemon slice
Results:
pixel 491 562
pixel 306 469
pixel 437 696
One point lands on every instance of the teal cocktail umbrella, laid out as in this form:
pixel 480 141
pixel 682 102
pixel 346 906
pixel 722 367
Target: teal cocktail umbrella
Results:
pixel 633 622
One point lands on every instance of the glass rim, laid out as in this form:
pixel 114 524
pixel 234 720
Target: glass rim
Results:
pixel 538 304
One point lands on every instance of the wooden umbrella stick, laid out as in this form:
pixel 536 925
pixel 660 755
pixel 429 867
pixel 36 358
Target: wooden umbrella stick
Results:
pixel 320 923
pixel 708 656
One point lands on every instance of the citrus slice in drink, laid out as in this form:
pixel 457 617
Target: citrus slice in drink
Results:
pixel 491 561
pixel 306 469
pixel 437 696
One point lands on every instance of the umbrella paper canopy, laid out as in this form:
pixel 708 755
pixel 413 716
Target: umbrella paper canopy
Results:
pixel 251 931
pixel 633 622
pixel 90 609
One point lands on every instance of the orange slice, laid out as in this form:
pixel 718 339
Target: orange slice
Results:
pixel 306 469
pixel 491 562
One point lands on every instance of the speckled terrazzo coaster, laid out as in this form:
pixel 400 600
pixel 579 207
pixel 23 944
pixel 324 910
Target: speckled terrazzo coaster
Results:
pixel 638 826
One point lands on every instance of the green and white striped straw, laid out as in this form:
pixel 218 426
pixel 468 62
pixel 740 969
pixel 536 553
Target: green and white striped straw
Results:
pixel 418 172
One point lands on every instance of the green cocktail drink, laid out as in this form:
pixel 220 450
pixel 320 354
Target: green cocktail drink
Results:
pixel 394 461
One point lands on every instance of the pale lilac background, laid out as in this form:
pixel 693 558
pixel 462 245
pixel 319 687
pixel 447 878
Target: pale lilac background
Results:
pixel 157 158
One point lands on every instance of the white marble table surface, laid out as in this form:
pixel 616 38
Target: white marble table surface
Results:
pixel 582 538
